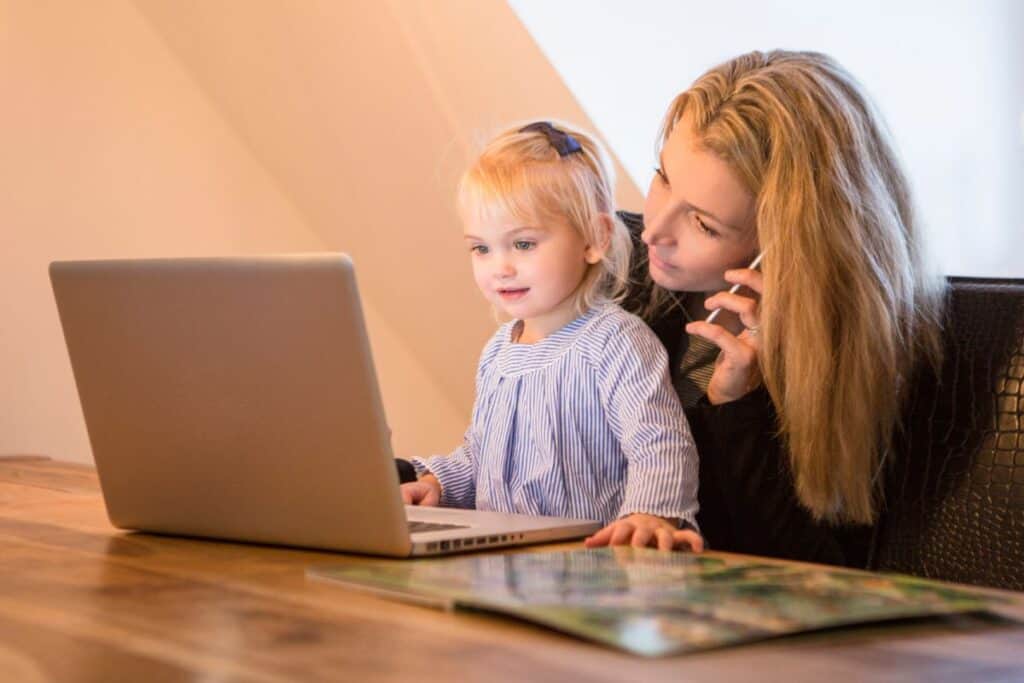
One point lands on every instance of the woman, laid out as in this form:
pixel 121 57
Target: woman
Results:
pixel 794 393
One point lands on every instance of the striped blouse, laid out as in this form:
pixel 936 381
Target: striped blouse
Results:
pixel 584 424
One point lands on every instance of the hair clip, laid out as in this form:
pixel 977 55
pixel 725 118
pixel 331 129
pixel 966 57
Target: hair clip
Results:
pixel 564 143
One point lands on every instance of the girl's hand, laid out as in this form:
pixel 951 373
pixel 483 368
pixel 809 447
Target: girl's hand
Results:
pixel 737 372
pixel 640 531
pixel 425 491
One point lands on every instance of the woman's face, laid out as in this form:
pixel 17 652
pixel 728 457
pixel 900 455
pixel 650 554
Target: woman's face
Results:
pixel 698 218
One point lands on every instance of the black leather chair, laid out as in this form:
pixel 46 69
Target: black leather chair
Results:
pixel 955 492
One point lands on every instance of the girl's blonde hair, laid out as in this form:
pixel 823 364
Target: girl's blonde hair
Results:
pixel 848 309
pixel 521 175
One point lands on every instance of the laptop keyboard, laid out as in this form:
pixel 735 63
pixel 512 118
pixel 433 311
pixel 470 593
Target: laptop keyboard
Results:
pixel 418 527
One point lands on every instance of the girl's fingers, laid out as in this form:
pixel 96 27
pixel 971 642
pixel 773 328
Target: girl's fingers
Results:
pixel 407 497
pixel 619 533
pixel 642 537
pixel 688 538
pixel 622 533
pixel 665 540
pixel 414 493
pixel 600 538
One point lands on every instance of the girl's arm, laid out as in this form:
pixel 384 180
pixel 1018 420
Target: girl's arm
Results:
pixel 454 473
pixel 645 414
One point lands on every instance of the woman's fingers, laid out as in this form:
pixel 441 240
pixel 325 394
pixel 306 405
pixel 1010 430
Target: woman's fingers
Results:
pixel 743 304
pixel 739 352
pixel 753 279
pixel 736 370
pixel 745 307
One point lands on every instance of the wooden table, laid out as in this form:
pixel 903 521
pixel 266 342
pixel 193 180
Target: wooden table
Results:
pixel 80 600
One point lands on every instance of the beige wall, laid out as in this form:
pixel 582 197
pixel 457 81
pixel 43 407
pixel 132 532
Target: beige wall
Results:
pixel 165 128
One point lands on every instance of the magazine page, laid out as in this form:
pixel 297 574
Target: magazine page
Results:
pixel 655 603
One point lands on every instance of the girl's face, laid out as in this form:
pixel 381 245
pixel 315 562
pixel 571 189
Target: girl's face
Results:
pixel 529 269
pixel 698 218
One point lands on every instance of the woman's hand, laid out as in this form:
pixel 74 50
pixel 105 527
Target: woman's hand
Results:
pixel 737 372
pixel 640 530
pixel 424 491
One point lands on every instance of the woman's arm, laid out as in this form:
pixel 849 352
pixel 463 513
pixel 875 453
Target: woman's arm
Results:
pixel 748 502
pixel 748 496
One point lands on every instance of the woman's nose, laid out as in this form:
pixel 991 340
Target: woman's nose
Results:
pixel 656 213
pixel 655 230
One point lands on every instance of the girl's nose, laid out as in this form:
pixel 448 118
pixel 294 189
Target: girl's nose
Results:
pixel 505 268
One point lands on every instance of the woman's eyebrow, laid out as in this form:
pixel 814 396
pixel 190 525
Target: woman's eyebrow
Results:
pixel 694 207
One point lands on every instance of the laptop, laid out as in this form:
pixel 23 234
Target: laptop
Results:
pixel 236 398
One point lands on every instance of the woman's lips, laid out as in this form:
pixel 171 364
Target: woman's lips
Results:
pixel 658 263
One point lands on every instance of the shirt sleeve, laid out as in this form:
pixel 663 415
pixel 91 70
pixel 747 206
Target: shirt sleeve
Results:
pixel 457 471
pixel 645 414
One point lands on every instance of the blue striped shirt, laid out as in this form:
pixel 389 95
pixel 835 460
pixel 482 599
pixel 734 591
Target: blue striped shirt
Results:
pixel 584 424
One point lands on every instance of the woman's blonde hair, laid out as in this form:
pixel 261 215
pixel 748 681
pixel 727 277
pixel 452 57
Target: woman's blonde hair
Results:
pixel 521 175
pixel 849 309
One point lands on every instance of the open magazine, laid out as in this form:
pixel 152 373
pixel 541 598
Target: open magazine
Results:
pixel 654 603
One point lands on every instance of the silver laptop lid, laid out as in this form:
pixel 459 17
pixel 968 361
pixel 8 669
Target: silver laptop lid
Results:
pixel 233 398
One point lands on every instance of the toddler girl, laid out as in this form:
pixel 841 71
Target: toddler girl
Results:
pixel 575 415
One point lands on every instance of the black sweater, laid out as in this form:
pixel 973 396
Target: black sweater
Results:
pixel 747 498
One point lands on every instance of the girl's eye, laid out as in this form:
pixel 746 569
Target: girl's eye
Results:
pixel 478 249
pixel 524 245
pixel 661 174
pixel 705 229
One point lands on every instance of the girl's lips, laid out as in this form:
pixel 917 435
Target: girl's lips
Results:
pixel 512 294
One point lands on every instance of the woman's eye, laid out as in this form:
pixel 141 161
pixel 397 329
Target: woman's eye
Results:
pixel 478 249
pixel 705 229
pixel 661 174
pixel 524 245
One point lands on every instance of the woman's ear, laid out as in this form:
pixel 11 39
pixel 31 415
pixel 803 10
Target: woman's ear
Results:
pixel 595 252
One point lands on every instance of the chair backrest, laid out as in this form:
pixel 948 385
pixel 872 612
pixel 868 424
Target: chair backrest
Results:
pixel 955 493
